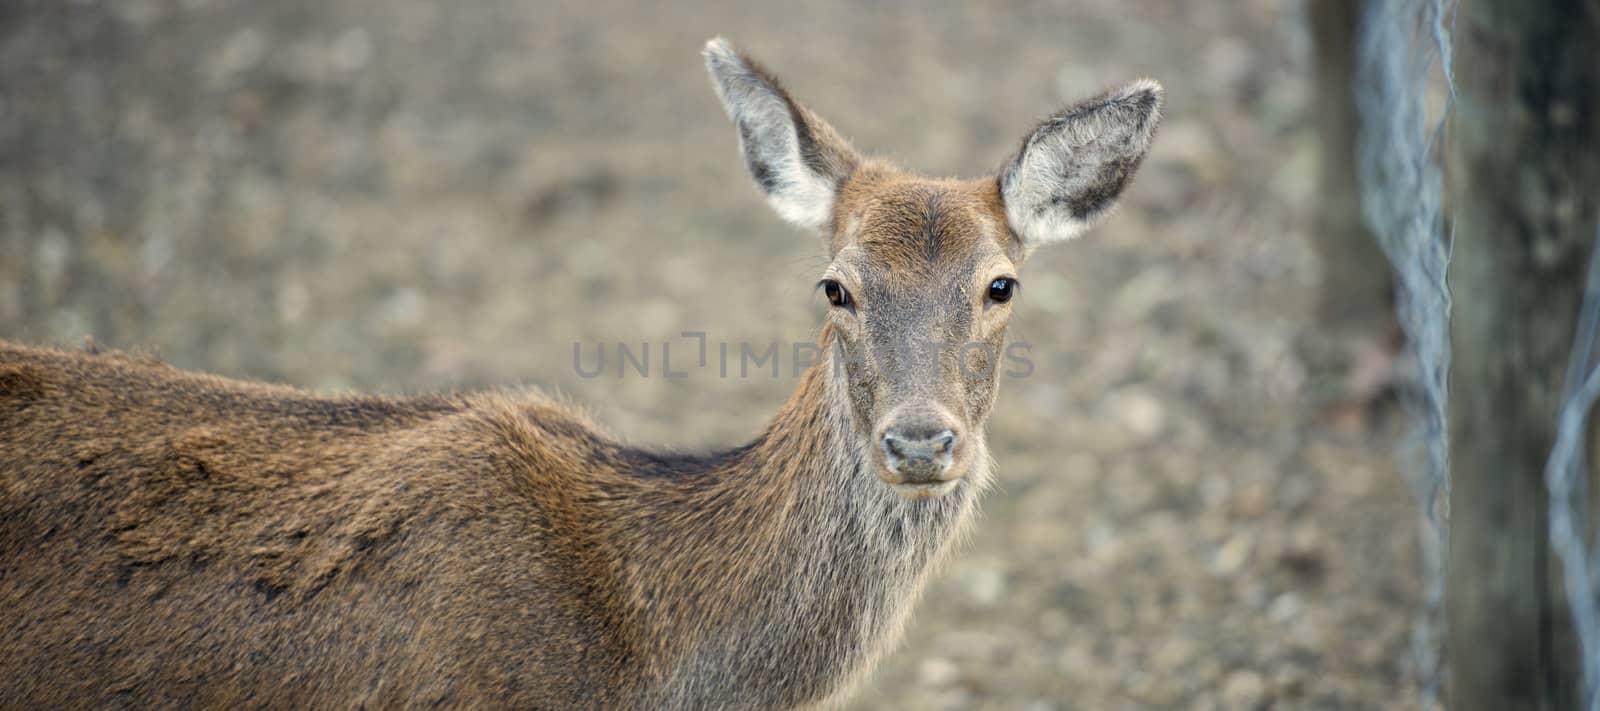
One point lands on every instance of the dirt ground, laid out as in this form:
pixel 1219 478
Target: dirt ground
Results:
pixel 412 196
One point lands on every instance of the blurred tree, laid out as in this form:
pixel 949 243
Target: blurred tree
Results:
pixel 1524 169
pixel 1357 336
pixel 1356 280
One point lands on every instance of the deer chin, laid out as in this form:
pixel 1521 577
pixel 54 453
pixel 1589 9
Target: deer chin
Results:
pixel 921 488
pixel 914 485
pixel 927 490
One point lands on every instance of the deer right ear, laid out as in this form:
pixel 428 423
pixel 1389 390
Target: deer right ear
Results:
pixel 796 158
pixel 1072 168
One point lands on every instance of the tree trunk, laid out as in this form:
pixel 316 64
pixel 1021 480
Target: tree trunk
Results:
pixel 1524 170
pixel 1356 277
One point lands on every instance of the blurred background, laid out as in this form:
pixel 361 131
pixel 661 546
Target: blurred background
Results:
pixel 406 196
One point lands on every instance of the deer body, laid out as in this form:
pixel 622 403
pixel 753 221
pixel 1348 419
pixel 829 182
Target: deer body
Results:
pixel 170 538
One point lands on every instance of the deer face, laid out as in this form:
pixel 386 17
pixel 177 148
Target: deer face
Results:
pixel 924 273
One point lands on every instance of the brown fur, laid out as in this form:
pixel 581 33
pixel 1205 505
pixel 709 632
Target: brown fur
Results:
pixel 176 539
pixel 169 538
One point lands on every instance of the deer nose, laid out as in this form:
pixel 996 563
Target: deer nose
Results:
pixel 919 457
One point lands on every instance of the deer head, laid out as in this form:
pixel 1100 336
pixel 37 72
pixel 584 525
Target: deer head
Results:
pixel 923 272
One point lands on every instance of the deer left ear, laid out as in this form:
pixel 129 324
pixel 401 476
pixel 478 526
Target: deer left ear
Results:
pixel 796 158
pixel 1071 169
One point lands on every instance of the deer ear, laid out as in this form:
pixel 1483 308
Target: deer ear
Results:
pixel 1071 169
pixel 796 158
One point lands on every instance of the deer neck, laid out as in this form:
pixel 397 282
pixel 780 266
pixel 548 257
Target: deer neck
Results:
pixel 793 565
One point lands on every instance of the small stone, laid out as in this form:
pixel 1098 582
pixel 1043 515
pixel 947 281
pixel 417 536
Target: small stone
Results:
pixel 1305 539
pixel 1174 654
pixel 294 302
pixel 406 307
pixel 52 256
pixel 985 586
pixel 1137 298
pixel 1252 501
pixel 351 51
pixel 1303 553
pixel 938 671
pixel 1244 689
pixel 242 52
pixel 1284 608
pixel 1138 410
pixel 1191 143
pixel 1214 491
pixel 1227 61
pixel 1140 685
pixel 1288 682
pixel 1232 556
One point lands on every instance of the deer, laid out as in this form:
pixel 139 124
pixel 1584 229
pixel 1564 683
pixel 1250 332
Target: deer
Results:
pixel 173 538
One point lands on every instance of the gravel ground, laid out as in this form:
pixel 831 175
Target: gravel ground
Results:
pixel 410 196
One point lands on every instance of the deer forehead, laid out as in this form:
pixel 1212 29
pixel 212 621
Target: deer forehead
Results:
pixel 905 229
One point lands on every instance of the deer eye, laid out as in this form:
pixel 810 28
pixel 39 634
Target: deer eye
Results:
pixel 835 293
pixel 1001 290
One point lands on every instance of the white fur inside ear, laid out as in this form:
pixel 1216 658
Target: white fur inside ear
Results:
pixel 806 202
pixel 770 138
pixel 1070 171
pixel 1038 226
